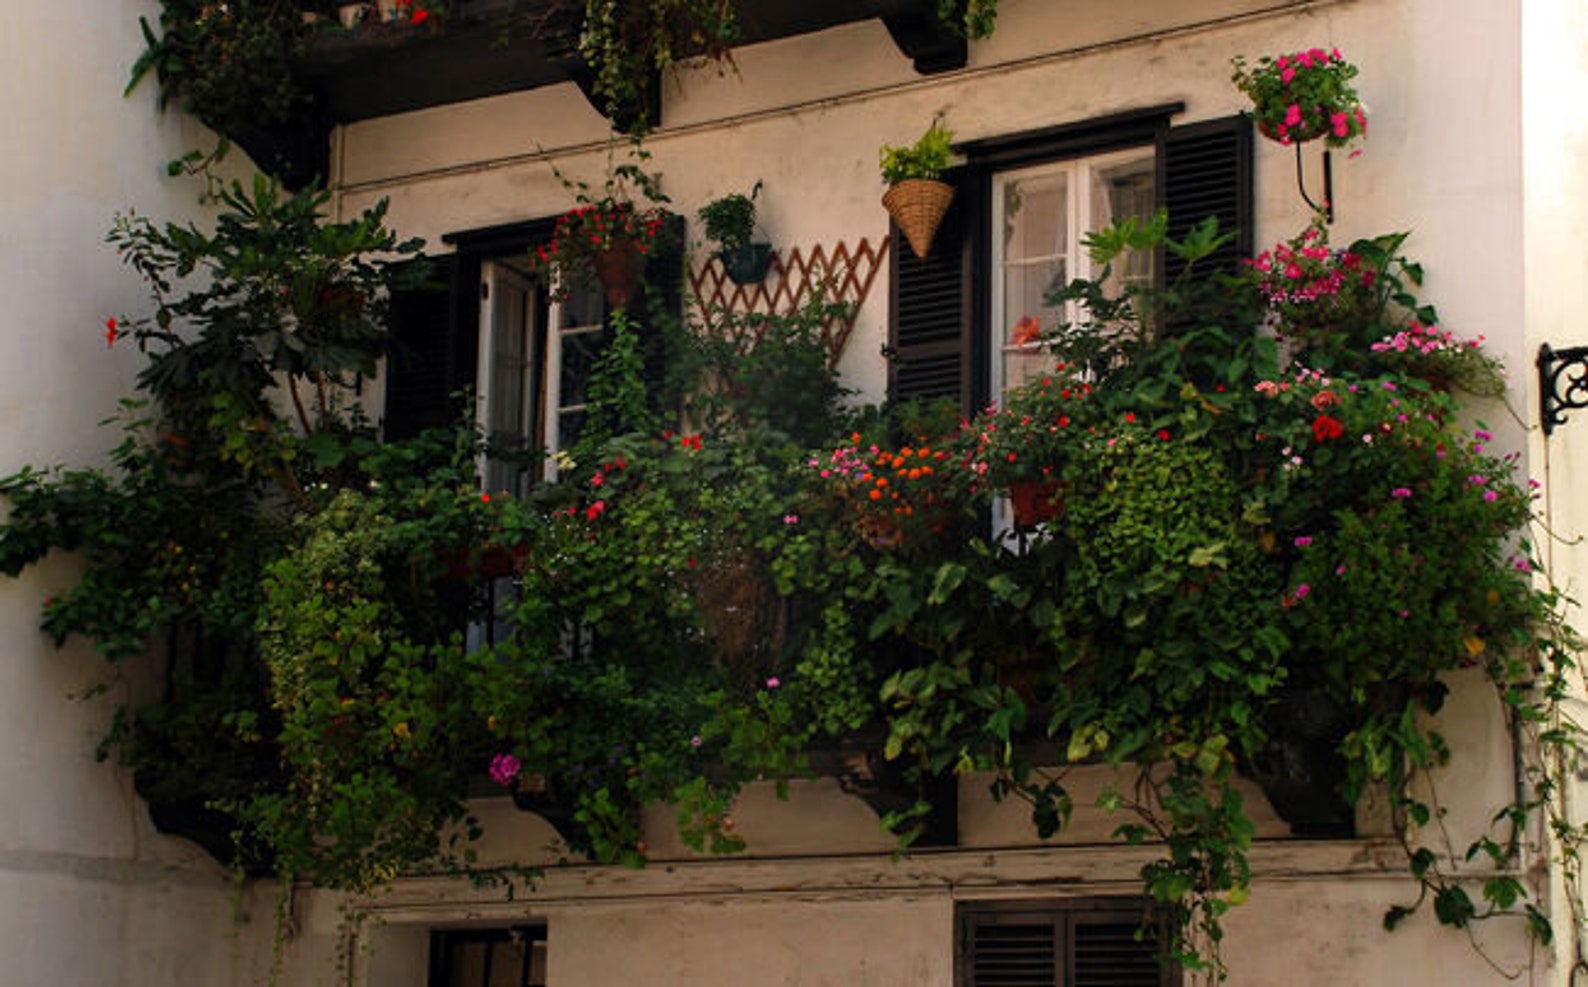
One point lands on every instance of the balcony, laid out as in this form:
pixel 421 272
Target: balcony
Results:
pixel 494 47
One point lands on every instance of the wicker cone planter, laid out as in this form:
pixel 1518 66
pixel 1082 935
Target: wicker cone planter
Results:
pixel 918 206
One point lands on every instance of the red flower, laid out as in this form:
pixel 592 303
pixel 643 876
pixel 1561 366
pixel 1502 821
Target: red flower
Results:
pixel 1325 428
pixel 110 332
pixel 594 510
pixel 420 16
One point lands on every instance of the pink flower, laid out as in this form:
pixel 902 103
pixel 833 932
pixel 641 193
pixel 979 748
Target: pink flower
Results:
pixel 1400 493
pixel 1342 126
pixel 791 519
pixel 504 769
pixel 1303 541
pixel 1287 75
pixel 773 682
pixel 1293 115
pixel 695 741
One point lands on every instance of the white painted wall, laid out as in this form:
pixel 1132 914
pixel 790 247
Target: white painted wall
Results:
pixel 89 894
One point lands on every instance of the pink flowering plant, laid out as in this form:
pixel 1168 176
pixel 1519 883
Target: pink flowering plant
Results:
pixel 1441 358
pixel 1303 96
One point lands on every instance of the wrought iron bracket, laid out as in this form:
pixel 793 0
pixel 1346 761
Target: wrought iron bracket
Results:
pixel 1562 383
pixel 1327 206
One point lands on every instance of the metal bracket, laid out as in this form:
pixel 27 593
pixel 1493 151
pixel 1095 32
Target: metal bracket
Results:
pixel 1327 206
pixel 1554 365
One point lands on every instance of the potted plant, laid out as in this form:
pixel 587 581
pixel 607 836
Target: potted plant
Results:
pixel 1022 447
pixel 916 198
pixel 608 236
pixel 730 221
pixel 1303 96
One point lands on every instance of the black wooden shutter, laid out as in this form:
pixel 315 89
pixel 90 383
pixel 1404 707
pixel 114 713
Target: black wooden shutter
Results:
pixel 1208 172
pixel 929 323
pixel 428 359
pixel 1105 951
pixel 1005 951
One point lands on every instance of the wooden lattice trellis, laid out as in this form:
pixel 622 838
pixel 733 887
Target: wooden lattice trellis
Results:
pixel 794 280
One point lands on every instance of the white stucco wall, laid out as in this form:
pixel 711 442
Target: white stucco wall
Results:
pixel 89 894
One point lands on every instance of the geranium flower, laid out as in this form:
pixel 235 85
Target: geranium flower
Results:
pixel 504 769
pixel 1325 428
pixel 110 332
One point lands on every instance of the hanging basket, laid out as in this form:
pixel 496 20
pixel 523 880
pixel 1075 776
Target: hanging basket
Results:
pixel 618 269
pixel 918 206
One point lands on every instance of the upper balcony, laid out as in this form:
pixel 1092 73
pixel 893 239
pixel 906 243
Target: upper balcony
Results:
pixel 493 47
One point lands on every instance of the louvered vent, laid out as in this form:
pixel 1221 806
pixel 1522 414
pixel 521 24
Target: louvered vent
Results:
pixel 928 317
pixel 1208 172
pixel 1109 955
pixel 1014 956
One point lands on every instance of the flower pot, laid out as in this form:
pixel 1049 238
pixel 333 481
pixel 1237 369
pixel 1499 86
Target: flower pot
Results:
pixel 1301 769
pixel 1036 501
pixel 746 264
pixel 618 269
pixel 918 206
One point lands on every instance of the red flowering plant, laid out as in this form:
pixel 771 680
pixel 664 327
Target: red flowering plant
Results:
pixel 626 220
pixel 1028 433
pixel 1394 523
pixel 1303 96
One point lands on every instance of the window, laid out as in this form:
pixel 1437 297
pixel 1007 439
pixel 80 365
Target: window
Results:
pixel 1013 232
pixel 514 957
pixel 1061 943
pixel 486 326
pixel 1038 218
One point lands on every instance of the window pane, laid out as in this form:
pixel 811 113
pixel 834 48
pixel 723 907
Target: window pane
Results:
pixel 580 349
pixel 1120 191
pixel 1036 217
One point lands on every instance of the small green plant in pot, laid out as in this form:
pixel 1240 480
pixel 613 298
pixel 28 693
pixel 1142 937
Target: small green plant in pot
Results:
pixel 730 221
pixel 916 198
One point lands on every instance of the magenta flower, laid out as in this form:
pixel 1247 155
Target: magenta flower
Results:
pixel 1400 493
pixel 773 683
pixel 505 769
pixel 1303 541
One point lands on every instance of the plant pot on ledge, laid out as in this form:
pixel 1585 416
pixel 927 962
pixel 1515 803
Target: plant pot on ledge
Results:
pixel 1035 501
pixel 1301 769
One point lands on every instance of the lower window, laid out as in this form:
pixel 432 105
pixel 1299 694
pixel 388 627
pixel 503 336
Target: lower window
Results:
pixel 513 957
pixel 1062 943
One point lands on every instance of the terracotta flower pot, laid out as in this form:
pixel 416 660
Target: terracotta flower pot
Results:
pixel 1035 501
pixel 618 269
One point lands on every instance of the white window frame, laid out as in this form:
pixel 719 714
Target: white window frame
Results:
pixel 1078 175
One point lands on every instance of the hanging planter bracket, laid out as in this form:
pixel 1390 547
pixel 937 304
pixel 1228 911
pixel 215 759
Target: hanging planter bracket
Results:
pixel 1327 208
pixel 1554 365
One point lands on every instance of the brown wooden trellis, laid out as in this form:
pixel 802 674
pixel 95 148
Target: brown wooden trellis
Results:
pixel 843 274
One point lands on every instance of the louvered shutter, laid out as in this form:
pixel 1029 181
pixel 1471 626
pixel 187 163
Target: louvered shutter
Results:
pixel 1105 952
pixel 427 361
pixel 929 323
pixel 1208 172
pixel 1007 952
pixel 1069 943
